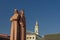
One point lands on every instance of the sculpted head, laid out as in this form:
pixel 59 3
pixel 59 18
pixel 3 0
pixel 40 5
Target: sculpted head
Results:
pixel 21 13
pixel 15 11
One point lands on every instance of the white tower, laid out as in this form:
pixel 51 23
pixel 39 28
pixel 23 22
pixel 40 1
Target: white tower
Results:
pixel 36 28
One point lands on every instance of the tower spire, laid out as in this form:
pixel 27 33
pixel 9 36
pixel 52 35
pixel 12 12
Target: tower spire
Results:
pixel 36 28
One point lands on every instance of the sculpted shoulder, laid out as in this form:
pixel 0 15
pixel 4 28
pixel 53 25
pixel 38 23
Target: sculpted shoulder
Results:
pixel 15 16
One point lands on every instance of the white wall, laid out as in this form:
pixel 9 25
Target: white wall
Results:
pixel 30 37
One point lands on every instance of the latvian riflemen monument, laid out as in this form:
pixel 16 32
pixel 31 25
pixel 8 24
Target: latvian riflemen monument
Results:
pixel 18 26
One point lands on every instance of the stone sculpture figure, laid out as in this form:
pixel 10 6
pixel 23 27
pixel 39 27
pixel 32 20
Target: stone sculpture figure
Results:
pixel 22 25
pixel 18 26
pixel 14 19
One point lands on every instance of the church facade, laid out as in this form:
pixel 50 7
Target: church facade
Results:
pixel 33 35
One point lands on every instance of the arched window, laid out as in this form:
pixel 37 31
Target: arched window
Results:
pixel 30 37
pixel 33 37
pixel 27 37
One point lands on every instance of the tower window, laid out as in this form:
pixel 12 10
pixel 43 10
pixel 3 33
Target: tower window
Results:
pixel 30 37
pixel 33 37
pixel 27 37
pixel 36 31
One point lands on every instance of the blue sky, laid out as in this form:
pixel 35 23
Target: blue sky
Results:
pixel 47 12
